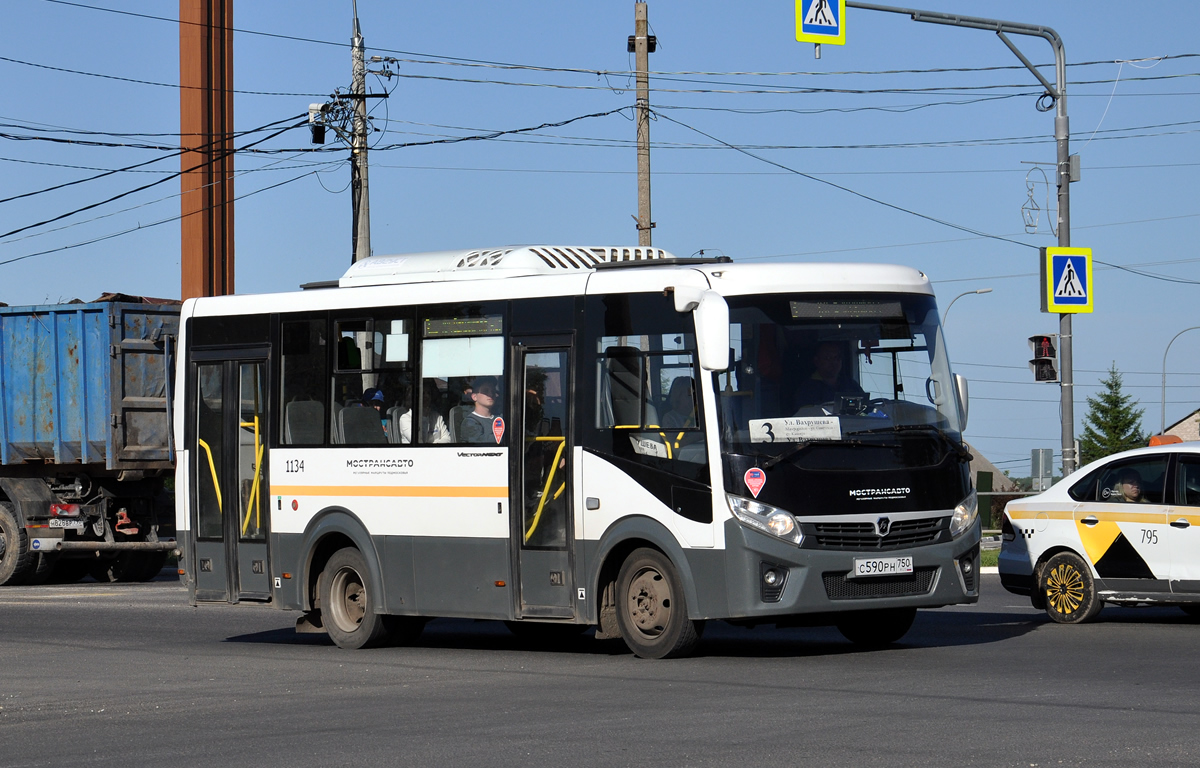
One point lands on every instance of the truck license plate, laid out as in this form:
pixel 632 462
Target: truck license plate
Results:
pixel 62 522
pixel 882 566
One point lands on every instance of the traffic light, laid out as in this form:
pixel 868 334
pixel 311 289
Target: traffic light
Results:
pixel 1045 357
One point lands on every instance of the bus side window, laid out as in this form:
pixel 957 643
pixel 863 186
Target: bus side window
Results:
pixel 462 375
pixel 374 370
pixel 646 399
pixel 302 381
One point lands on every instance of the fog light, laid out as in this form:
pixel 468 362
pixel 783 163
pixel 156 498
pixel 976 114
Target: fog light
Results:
pixel 774 579
pixel 968 566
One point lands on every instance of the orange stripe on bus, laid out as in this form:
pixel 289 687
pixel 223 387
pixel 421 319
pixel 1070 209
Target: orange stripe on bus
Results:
pixel 497 492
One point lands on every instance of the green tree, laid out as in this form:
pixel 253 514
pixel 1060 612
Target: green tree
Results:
pixel 1113 422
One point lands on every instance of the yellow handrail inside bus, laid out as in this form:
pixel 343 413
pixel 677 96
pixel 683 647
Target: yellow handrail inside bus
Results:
pixel 253 505
pixel 537 516
pixel 212 468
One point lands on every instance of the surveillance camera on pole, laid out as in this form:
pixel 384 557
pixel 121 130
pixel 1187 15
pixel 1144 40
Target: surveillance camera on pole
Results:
pixel 316 123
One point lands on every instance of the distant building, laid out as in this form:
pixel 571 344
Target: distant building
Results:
pixel 1187 428
pixel 1000 481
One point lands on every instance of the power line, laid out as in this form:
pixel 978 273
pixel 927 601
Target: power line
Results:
pixel 139 227
pixel 148 82
pixel 847 189
pixel 462 61
pixel 199 148
pixel 139 189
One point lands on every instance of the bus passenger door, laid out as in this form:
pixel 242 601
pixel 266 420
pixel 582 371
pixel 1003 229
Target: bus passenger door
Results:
pixel 544 525
pixel 229 520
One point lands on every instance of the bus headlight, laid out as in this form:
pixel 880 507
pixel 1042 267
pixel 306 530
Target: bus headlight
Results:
pixel 765 518
pixel 964 514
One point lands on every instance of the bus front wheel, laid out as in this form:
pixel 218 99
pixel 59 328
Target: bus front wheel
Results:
pixel 348 602
pixel 652 611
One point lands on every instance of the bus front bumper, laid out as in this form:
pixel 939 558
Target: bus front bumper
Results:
pixel 813 581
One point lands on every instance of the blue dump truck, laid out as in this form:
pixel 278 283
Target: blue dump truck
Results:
pixel 86 450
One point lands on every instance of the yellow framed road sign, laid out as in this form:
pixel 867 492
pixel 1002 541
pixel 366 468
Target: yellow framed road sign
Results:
pixel 821 21
pixel 1067 280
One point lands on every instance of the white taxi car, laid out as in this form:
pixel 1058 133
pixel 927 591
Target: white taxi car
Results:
pixel 1124 530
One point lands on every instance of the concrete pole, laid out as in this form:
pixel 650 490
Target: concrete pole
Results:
pixel 358 151
pixel 641 42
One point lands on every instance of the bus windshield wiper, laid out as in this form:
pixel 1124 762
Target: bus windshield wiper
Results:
pixel 798 447
pixel 959 448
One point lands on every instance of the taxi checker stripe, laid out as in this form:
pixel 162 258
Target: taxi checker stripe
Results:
pixel 491 492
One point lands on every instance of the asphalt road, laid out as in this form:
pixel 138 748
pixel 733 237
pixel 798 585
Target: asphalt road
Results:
pixel 129 675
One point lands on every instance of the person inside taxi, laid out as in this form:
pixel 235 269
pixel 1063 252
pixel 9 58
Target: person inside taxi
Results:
pixel 1129 488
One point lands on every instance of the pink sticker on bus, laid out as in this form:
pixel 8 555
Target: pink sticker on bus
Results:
pixel 498 429
pixel 755 480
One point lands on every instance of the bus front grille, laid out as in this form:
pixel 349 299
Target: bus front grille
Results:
pixel 862 536
pixel 838 587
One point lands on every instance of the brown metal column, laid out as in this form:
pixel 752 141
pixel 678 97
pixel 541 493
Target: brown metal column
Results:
pixel 206 129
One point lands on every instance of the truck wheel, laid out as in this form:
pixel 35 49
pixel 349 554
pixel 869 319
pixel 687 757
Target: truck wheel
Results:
pixel 152 565
pixel 42 567
pixel 875 629
pixel 348 602
pixel 69 571
pixel 1069 589
pixel 15 557
pixel 651 609
pixel 128 566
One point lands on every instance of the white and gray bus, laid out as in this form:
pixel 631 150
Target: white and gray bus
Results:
pixel 568 437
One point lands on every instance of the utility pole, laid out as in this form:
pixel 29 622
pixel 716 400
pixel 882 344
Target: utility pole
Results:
pixel 1058 95
pixel 360 198
pixel 642 45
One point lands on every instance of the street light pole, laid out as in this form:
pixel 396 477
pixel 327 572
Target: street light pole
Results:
pixel 1163 424
pixel 1058 93
pixel 946 313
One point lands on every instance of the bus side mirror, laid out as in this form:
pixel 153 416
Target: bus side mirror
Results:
pixel 711 314
pixel 960 386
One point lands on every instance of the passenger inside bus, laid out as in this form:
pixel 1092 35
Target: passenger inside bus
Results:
pixel 433 426
pixel 476 426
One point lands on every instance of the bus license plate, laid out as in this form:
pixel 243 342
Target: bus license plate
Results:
pixel 882 566
pixel 59 522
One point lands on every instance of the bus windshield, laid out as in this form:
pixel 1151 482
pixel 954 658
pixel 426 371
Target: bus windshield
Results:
pixel 836 368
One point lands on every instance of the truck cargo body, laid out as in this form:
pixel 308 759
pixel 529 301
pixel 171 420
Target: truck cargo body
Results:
pixel 85 439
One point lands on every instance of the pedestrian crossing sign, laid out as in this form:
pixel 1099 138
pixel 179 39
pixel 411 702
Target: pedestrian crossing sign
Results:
pixel 1066 280
pixel 821 21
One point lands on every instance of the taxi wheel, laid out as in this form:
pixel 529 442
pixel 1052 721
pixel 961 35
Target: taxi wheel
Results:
pixel 1069 590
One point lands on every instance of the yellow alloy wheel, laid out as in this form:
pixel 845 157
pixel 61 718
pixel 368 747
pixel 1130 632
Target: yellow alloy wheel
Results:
pixel 1070 592
pixel 1064 589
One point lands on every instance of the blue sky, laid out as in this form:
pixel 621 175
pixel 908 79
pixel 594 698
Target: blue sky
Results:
pixel 953 145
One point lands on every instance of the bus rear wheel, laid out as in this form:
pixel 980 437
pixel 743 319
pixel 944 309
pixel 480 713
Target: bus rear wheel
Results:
pixel 348 602
pixel 651 610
